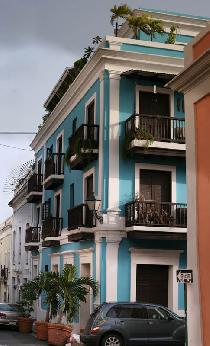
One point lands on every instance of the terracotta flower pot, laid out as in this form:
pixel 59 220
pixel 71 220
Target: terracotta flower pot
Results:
pixel 41 328
pixel 25 324
pixel 58 334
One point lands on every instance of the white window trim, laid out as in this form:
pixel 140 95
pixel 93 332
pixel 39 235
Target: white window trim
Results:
pixel 87 258
pixel 155 167
pixel 85 175
pixel 150 88
pixel 91 99
pixel 37 160
pixel 158 257
pixel 55 260
pixel 59 192
pixel 61 134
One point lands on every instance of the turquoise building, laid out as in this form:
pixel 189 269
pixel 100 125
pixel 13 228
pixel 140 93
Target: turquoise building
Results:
pixel 116 132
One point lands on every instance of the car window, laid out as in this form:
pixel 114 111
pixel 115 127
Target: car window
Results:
pixel 156 313
pixel 127 312
pixel 8 307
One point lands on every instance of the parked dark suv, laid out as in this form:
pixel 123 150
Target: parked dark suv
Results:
pixel 132 324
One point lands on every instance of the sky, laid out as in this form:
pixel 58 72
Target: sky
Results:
pixel 38 39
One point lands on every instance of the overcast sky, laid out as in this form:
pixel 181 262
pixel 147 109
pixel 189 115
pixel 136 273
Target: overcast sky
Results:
pixel 38 39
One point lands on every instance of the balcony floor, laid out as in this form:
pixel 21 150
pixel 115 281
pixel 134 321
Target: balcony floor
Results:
pixel 158 148
pixel 53 181
pixel 34 197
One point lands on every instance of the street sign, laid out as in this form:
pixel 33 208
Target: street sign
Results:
pixel 184 276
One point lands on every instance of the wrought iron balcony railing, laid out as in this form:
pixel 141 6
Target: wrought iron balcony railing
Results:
pixel 86 138
pixel 33 235
pixel 51 227
pixel 35 183
pixel 160 128
pixel 80 216
pixel 151 213
pixel 54 165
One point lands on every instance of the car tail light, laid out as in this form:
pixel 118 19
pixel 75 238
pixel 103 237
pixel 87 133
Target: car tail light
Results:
pixel 2 315
pixel 94 330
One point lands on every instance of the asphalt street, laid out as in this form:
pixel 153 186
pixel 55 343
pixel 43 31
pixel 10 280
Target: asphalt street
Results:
pixel 10 337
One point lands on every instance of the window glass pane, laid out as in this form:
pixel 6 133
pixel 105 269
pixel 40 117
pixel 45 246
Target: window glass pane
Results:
pixel 71 196
pixel 139 312
pixel 156 313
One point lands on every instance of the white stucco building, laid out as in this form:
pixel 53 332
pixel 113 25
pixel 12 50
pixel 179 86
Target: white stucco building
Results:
pixel 5 259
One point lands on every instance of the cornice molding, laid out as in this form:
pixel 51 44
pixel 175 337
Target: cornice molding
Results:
pixel 104 59
pixel 198 71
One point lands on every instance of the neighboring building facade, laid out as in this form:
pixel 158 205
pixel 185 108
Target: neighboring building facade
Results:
pixel 194 82
pixel 5 260
pixel 21 263
pixel 123 133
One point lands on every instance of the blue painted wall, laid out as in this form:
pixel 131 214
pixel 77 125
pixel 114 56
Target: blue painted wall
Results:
pixel 150 50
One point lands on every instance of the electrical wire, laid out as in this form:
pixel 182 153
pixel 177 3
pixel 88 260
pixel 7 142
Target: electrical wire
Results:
pixel 16 133
pixel 11 147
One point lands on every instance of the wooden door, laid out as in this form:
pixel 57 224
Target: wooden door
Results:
pixel 89 187
pixel 154 104
pixel 155 185
pixel 152 284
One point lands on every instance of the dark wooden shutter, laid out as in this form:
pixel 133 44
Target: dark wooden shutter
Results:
pixel 152 284
pixel 89 186
pixel 90 113
pixel 154 104
pixel 155 185
pixel 46 209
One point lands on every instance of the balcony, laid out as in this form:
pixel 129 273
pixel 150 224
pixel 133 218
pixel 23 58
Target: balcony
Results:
pixel 154 220
pixel 51 231
pixel 32 238
pixel 34 188
pixel 4 273
pixel 54 171
pixel 80 222
pixel 156 135
pixel 83 146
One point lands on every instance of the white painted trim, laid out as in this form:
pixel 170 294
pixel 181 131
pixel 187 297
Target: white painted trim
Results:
pixel 101 137
pixel 61 134
pixel 68 258
pixel 37 160
pixel 157 257
pixel 155 167
pixel 85 175
pixel 55 260
pixel 91 99
pixel 118 61
pixel 150 88
pixel 87 258
pixel 159 145
pixel 114 117
pixel 59 192
pixel 157 229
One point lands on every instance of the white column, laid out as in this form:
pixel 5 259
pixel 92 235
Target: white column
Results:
pixel 98 262
pixel 100 158
pixel 112 245
pixel 113 201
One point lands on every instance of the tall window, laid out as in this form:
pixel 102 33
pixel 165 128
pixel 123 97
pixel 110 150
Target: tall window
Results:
pixel 89 187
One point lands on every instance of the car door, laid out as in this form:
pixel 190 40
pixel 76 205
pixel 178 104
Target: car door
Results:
pixel 161 326
pixel 132 320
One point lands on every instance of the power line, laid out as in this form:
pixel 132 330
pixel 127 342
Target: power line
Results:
pixel 17 133
pixel 11 147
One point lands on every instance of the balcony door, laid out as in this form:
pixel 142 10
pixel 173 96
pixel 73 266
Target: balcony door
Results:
pixel 155 109
pixel 155 185
pixel 59 158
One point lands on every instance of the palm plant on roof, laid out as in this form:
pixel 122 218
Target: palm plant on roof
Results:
pixel 172 35
pixel 155 27
pixel 117 12
pixel 138 24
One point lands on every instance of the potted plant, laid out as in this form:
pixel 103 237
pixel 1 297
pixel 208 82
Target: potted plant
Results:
pixel 72 291
pixel 48 285
pixel 29 293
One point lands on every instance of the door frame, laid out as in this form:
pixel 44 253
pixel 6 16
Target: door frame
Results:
pixel 158 257
pixel 90 100
pixel 86 175
pixel 155 167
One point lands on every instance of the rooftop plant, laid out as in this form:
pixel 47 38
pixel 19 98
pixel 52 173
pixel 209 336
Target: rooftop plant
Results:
pixel 172 35
pixel 138 24
pixel 117 13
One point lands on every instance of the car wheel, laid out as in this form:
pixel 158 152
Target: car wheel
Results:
pixel 112 339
